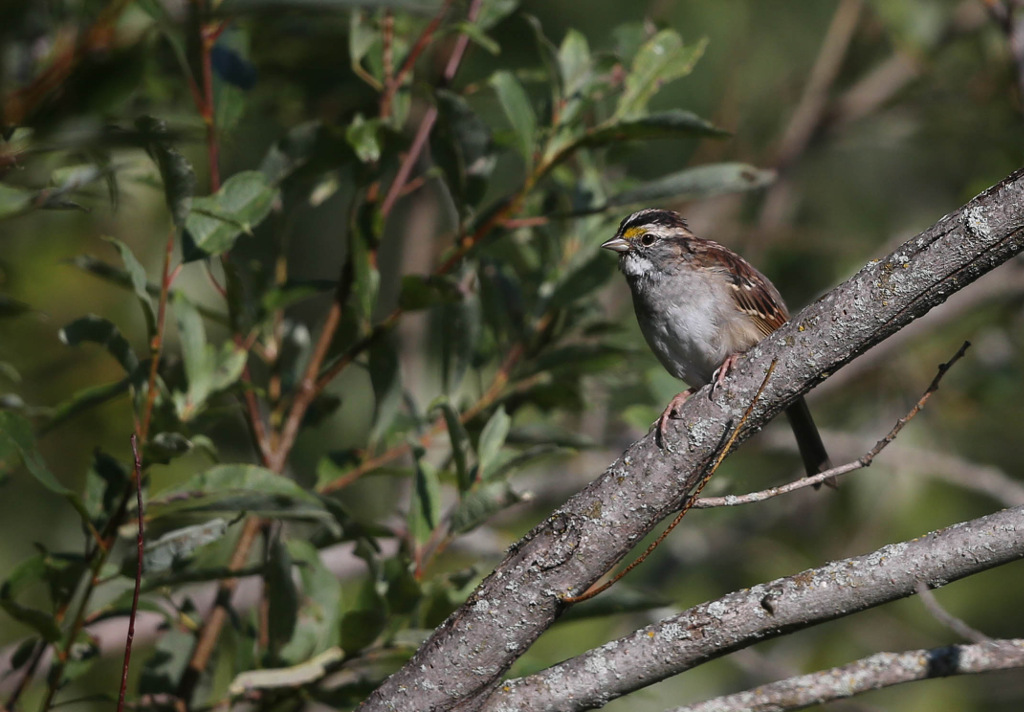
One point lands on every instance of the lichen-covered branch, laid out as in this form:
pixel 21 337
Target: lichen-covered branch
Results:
pixel 739 619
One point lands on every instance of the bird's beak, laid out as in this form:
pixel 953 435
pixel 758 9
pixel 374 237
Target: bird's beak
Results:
pixel 616 244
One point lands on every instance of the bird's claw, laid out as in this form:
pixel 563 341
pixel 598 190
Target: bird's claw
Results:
pixel 721 372
pixel 671 412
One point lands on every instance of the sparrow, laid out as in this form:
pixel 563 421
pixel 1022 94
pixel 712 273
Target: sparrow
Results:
pixel 699 306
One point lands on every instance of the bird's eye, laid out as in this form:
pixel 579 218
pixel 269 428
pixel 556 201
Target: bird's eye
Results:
pixel 647 240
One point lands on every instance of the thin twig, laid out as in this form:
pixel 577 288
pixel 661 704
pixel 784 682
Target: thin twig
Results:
pixel 690 500
pixel 140 549
pixel 156 343
pixel 393 84
pixel 206 110
pixel 218 616
pixel 931 603
pixel 864 461
pixel 430 116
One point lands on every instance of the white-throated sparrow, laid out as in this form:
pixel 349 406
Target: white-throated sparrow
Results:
pixel 699 306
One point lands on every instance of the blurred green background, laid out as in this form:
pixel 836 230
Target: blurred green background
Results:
pixel 880 118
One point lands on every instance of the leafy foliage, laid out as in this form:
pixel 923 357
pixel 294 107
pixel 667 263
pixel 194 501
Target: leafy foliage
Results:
pixel 281 360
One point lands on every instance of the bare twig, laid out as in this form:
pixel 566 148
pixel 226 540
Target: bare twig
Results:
pixel 1011 21
pixel 871 673
pixel 864 461
pixel 931 462
pixel 690 500
pixel 948 619
pixel 156 343
pixel 810 111
pixel 218 616
pixel 140 550
pixel 393 84
pixel 207 38
pixel 430 116
pixel 811 108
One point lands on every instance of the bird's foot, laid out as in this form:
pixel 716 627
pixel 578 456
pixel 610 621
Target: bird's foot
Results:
pixel 672 411
pixel 719 375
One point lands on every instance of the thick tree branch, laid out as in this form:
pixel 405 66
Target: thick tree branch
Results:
pixel 462 662
pixel 769 610
pixel 870 673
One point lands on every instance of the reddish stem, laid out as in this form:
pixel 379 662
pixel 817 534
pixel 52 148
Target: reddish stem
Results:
pixel 156 343
pixel 140 549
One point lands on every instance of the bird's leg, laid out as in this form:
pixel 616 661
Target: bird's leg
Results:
pixel 719 375
pixel 672 411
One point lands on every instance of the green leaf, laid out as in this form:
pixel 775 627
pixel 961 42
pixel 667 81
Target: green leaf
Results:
pixel 387 385
pixel 422 7
pixel 494 11
pixel 492 438
pixel 518 111
pixel 365 274
pixel 16 436
pixel 103 332
pixel 461 447
pixel 282 596
pixel 463 148
pixel 364 137
pixel 362 36
pixel 105 485
pixel 583 280
pixel 178 546
pixel 662 59
pixel 698 182
pixel 177 174
pixel 216 221
pixel 318 627
pixel 425 507
pixel 229 100
pixel 676 123
pixel 424 291
pixel 207 368
pixel 459 329
pixel 140 285
pixel 12 307
pixel 59 575
pixel 82 655
pixel 481 503
pixel 164 668
pixel 477 36
pixel 40 621
pixel 549 58
pixel 14 201
pixel 26 576
pixel 404 592
pixel 577 359
pixel 361 627
pixel 574 63
pixel 232 489
pixel 83 400
pixel 164 447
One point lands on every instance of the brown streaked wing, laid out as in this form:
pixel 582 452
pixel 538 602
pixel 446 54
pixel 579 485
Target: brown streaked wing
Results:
pixel 756 296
